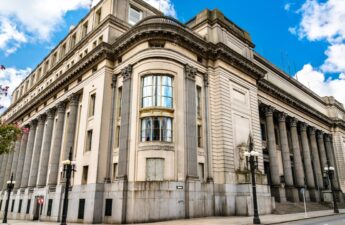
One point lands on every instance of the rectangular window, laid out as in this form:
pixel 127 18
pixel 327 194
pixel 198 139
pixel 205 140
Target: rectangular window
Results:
pixel 81 209
pixel 157 91
pixel 92 105
pixel 54 58
pixel 98 17
pixel 108 207
pixel 156 129
pixel 134 16
pixel 73 41
pixel 12 207
pixel 88 146
pixel 28 206
pixel 84 29
pixel 201 171
pixel 118 136
pixel 50 205
pixel 63 51
pixel 20 206
pixel 198 100
pixel 154 169
pixel 0 205
pixel 199 136
pixel 46 67
pixel 85 174
pixel 119 100
pixel 263 132
pixel 114 171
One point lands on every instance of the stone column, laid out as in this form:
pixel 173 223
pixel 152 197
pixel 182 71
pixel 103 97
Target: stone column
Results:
pixel 330 157
pixel 37 151
pixel 315 159
pixel 277 191
pixel 8 169
pixel 3 169
pixel 191 126
pixel 72 124
pixel 125 122
pixel 57 144
pixel 307 163
pixel 297 159
pixel 21 159
pixel 15 157
pixel 45 151
pixel 28 154
pixel 322 150
pixel 291 191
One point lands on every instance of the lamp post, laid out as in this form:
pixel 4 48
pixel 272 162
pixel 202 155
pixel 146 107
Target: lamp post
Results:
pixel 329 171
pixel 252 159
pixel 10 186
pixel 68 168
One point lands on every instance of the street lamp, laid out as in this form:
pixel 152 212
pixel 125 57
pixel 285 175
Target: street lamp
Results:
pixel 329 171
pixel 10 186
pixel 252 159
pixel 68 168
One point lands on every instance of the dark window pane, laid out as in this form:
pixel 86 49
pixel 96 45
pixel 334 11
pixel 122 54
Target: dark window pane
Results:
pixel 263 131
pixel 81 209
pixel 20 205
pixel 12 207
pixel 156 129
pixel 50 205
pixel 108 207
pixel 28 206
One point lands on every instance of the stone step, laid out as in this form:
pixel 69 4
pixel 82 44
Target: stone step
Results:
pixel 289 207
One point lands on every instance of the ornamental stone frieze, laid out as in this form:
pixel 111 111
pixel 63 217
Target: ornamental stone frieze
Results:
pixel 190 72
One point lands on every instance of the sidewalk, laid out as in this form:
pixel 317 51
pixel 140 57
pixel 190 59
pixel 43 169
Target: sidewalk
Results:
pixel 266 219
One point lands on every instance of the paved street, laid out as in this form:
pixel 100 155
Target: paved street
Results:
pixel 325 217
pixel 329 220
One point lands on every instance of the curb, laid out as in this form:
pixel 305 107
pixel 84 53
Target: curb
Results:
pixel 314 217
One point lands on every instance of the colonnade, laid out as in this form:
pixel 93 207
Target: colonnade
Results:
pixel 310 147
pixel 38 151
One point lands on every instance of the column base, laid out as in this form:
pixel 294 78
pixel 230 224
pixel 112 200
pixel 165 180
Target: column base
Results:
pixel 278 193
pixel 327 196
pixel 314 195
pixel 292 194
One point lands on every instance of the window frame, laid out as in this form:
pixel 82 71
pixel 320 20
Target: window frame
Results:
pixel 143 139
pixel 140 12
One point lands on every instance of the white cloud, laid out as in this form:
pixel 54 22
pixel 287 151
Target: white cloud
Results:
pixel 322 20
pixel 316 81
pixel 166 6
pixel 11 77
pixel 10 37
pixel 335 61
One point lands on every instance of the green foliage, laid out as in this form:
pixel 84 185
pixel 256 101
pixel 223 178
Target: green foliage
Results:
pixel 9 133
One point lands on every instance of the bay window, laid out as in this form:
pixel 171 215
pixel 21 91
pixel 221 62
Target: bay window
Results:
pixel 157 91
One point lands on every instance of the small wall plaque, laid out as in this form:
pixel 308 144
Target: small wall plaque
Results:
pixel 179 187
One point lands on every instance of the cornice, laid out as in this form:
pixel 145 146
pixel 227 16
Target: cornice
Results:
pixel 101 52
pixel 283 96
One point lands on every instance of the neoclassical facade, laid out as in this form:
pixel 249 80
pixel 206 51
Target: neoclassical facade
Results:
pixel 157 116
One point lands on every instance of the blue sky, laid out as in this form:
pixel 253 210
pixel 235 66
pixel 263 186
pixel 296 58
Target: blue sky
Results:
pixel 291 34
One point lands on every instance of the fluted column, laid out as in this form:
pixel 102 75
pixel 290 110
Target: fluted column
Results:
pixel 45 151
pixel 307 162
pixel 2 170
pixel 322 150
pixel 72 123
pixel 57 144
pixel 297 159
pixel 276 189
pixel 15 157
pixel 21 159
pixel 330 157
pixel 37 151
pixel 316 159
pixel 291 191
pixel 28 155
pixel 8 169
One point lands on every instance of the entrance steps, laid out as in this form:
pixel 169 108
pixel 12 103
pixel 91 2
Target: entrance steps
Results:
pixel 291 207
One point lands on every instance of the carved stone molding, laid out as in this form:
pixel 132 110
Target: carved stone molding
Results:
pixel 282 116
pixel 190 72
pixel 320 134
pixel 328 137
pixel 127 72
pixel 268 110
pixel 42 118
pixel 303 126
pixel 113 80
pixel 73 99
pixel 51 113
pixel 312 130
pixel 33 123
pixel 206 79
pixel 61 107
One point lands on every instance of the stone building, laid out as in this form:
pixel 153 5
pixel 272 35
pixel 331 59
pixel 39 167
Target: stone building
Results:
pixel 157 114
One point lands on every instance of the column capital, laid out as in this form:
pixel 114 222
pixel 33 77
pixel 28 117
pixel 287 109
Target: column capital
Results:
pixel 42 118
pixel 190 72
pixel 328 137
pixel 282 116
pixel 206 79
pixel 303 126
pixel 293 122
pixel 61 106
pixel 51 113
pixel 73 99
pixel 113 80
pixel 268 110
pixel 319 134
pixel 312 130
pixel 33 123
pixel 127 72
